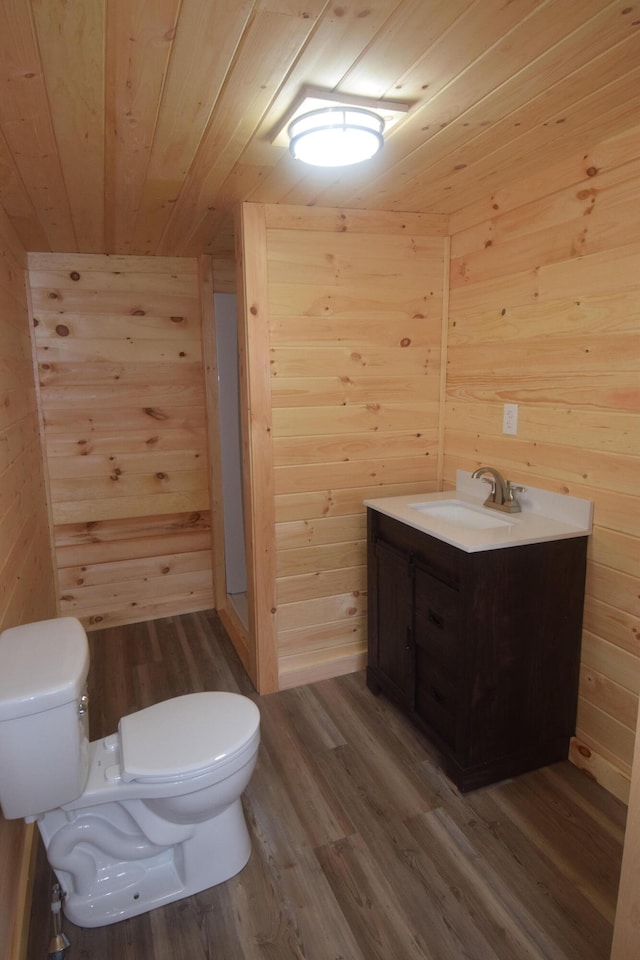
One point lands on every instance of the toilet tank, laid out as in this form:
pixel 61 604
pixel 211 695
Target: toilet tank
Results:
pixel 44 722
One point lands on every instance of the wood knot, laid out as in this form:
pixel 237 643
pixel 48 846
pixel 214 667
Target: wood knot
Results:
pixel 253 310
pixel 405 342
pixel 62 330
pixel 52 295
pixel 138 313
pixel 177 319
pixel 156 414
pixel 74 275
pixel 161 476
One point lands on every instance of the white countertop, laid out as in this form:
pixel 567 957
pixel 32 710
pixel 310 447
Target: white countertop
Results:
pixel 544 516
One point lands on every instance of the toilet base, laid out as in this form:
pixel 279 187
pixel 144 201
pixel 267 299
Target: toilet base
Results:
pixel 215 851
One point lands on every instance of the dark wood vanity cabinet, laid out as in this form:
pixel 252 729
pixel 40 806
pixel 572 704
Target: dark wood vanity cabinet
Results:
pixel 481 649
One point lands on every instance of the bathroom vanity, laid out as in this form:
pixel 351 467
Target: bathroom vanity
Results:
pixel 475 624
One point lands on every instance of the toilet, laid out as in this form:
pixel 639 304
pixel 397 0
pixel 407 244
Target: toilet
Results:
pixel 140 818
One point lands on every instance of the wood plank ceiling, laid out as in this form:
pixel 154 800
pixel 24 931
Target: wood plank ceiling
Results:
pixel 136 126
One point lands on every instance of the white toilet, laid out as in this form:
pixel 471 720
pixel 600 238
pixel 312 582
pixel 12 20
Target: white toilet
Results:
pixel 145 816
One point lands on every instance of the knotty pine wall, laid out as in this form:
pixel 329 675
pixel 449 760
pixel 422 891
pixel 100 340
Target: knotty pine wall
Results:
pixel 341 341
pixel 119 350
pixel 545 312
pixel 26 573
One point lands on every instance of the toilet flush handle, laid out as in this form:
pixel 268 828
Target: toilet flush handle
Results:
pixel 83 706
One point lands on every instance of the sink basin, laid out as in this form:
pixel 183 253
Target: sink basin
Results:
pixel 461 514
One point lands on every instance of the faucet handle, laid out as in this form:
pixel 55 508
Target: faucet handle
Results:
pixel 512 489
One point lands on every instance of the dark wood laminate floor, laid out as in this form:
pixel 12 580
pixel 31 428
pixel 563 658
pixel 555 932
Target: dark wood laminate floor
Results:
pixel 362 849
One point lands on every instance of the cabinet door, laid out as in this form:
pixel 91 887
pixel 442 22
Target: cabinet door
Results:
pixel 437 654
pixel 391 649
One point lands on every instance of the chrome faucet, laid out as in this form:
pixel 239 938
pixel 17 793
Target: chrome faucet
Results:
pixel 503 493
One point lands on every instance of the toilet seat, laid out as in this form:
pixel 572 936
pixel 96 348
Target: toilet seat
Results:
pixel 184 737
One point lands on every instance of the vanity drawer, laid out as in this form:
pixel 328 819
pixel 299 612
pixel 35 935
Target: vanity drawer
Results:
pixel 436 698
pixel 436 626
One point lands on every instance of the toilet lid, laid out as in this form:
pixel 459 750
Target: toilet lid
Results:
pixel 184 736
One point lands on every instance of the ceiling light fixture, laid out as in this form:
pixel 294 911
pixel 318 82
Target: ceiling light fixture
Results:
pixel 330 129
pixel 336 136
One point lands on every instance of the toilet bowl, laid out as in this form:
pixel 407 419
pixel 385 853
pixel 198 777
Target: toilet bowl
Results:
pixel 140 818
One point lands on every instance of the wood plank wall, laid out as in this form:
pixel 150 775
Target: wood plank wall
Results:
pixel 122 393
pixel 354 321
pixel 26 573
pixel 544 312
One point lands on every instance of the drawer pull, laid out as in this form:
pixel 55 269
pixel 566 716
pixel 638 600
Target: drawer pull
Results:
pixel 435 619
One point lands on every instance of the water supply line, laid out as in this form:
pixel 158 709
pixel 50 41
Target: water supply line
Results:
pixel 59 943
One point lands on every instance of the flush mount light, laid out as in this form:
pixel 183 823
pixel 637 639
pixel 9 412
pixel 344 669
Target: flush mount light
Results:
pixel 330 129
pixel 336 136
